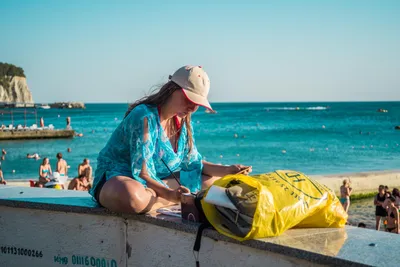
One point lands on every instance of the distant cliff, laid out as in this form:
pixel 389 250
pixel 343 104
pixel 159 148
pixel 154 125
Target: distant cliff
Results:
pixel 13 86
pixel 15 90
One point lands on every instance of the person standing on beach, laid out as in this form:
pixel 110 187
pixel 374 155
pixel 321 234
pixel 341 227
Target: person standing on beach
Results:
pixel 380 210
pixel 396 195
pixel 68 127
pixel 154 140
pixel 345 192
pixel 44 172
pixel 61 167
pixel 85 169
pixel 2 181
pixel 393 217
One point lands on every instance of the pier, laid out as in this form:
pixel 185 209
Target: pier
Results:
pixel 15 126
pixel 35 134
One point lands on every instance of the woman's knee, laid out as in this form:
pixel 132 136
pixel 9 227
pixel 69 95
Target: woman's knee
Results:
pixel 123 194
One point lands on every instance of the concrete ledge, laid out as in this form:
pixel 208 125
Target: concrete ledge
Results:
pixel 73 224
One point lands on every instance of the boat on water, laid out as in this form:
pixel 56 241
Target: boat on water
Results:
pixel 45 106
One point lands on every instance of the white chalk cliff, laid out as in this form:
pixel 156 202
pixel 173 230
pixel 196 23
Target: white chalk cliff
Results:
pixel 17 91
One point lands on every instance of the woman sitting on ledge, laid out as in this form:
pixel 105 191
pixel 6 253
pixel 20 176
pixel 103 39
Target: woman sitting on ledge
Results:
pixel 156 136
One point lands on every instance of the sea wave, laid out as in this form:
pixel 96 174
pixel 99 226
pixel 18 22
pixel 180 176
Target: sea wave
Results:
pixel 297 108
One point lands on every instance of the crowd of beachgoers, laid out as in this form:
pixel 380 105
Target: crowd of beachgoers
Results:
pixel 57 179
pixel 387 206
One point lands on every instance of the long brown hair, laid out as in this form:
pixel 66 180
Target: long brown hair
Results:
pixel 158 98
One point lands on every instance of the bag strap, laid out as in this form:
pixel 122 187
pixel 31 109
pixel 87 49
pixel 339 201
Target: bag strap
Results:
pixel 204 225
pixel 197 243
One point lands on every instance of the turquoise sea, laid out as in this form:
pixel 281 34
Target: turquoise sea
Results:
pixel 314 138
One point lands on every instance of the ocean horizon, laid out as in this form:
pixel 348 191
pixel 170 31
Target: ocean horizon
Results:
pixel 311 137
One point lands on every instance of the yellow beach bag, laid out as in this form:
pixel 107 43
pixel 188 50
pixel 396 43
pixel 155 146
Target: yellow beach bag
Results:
pixel 280 200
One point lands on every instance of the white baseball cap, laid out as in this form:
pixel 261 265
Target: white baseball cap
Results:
pixel 195 84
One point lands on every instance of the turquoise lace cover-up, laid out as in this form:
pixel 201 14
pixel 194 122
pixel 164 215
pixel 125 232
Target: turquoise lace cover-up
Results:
pixel 125 151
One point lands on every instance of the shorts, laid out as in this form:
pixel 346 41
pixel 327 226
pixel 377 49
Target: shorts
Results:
pixel 98 188
pixel 343 200
pixel 379 211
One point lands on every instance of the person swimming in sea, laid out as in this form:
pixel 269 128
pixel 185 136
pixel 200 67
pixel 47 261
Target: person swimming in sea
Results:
pixel 33 156
pixel 345 192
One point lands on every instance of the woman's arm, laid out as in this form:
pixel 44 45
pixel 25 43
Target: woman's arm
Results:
pixel 141 153
pixel 51 173
pixel 160 189
pixel 212 169
pixel 348 192
pixel 66 167
pixel 58 166
pixel 90 173
pixel 396 215
pixel 376 202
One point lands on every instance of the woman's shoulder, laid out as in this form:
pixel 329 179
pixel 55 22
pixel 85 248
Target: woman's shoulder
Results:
pixel 141 111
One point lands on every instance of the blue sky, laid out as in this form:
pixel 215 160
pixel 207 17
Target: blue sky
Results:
pixel 116 51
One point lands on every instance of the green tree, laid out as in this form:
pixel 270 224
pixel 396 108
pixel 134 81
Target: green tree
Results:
pixel 7 72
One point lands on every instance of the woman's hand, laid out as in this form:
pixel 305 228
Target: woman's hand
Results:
pixel 238 168
pixel 174 195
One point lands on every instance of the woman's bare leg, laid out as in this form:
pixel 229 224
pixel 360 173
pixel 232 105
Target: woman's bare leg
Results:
pixel 378 222
pixel 124 194
pixel 346 205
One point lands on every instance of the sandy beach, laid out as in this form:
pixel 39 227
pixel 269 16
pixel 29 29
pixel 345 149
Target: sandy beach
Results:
pixel 362 182
pixel 25 183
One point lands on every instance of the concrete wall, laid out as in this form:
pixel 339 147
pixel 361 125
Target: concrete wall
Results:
pixel 47 239
pixel 44 238
pixel 159 246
